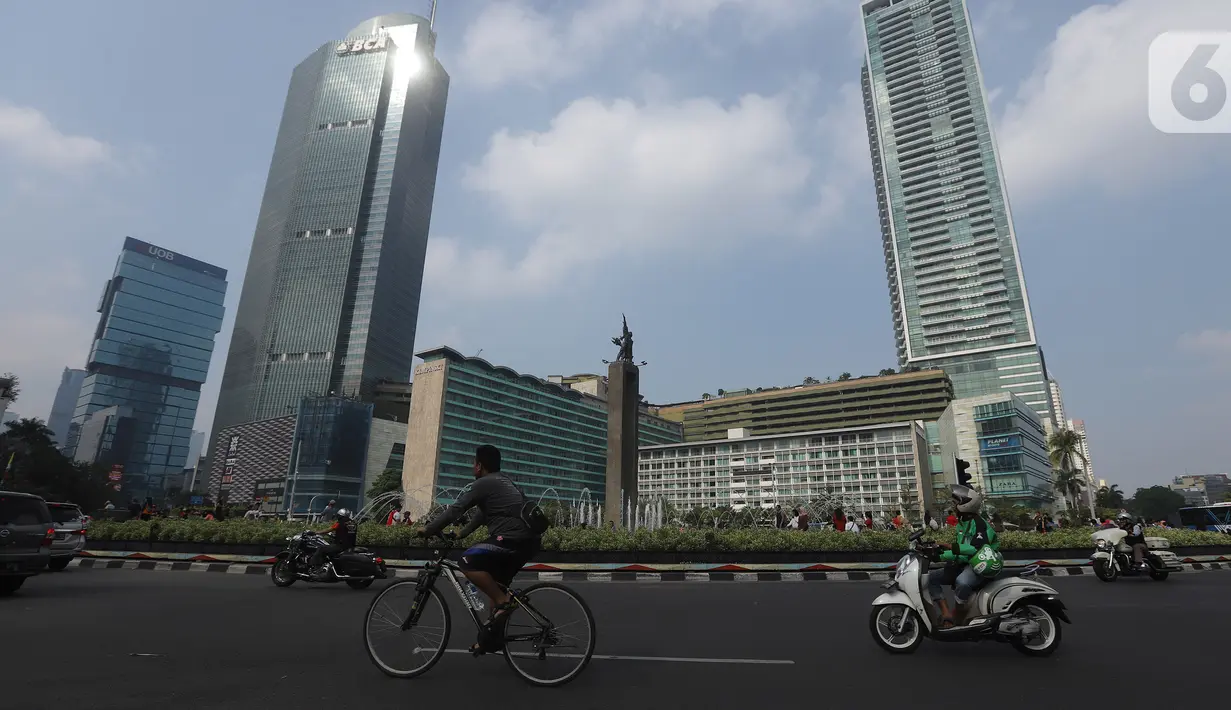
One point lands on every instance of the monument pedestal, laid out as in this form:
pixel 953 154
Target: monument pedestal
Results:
pixel 623 406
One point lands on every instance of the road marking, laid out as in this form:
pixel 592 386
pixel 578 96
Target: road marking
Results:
pixel 660 659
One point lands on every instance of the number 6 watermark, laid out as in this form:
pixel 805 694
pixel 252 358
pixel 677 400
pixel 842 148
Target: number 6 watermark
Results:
pixel 1189 72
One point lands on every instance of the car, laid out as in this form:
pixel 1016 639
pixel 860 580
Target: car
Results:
pixel 26 534
pixel 70 525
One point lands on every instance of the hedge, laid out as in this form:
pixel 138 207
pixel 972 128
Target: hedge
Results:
pixel 672 539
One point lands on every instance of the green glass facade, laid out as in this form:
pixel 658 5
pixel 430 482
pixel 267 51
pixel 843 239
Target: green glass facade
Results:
pixel 955 279
pixel 1013 454
pixel 553 439
pixel 331 293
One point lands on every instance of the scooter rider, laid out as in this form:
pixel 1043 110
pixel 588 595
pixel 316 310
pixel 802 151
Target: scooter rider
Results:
pixel 1136 538
pixel 344 531
pixel 974 533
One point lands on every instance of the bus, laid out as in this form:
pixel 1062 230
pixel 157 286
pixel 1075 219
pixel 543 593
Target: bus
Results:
pixel 1216 516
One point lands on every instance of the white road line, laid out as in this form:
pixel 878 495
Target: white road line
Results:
pixel 660 659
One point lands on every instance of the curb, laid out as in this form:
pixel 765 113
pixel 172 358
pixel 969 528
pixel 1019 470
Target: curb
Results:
pixel 403 572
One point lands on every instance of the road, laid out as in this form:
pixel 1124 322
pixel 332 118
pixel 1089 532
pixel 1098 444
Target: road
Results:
pixel 237 642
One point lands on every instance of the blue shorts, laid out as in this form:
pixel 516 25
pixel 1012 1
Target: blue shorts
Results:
pixel 501 558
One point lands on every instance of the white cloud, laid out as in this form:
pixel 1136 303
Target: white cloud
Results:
pixel 28 136
pixel 510 42
pixel 615 182
pixel 1081 118
pixel 1214 344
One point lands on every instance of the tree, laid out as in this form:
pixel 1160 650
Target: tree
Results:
pixel 811 381
pixel 1069 484
pixel 1111 497
pixel 1155 502
pixel 887 371
pixel 31 463
pixel 389 480
pixel 721 392
pixel 1064 450
pixel 844 377
pixel 10 387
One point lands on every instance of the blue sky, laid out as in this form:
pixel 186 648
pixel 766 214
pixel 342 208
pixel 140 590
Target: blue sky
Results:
pixel 700 165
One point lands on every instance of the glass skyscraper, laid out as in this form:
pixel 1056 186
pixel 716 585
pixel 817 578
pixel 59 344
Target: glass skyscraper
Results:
pixel 65 403
pixel 955 277
pixel 150 354
pixel 331 294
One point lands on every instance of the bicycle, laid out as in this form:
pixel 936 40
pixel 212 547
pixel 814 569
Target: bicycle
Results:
pixel 544 636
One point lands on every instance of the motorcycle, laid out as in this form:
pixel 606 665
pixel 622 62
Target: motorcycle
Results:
pixel 1013 608
pixel 1112 557
pixel 358 566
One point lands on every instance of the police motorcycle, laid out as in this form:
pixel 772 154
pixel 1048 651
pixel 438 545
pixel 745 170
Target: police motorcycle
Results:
pixel 1113 557
pixel 1014 608
pixel 358 566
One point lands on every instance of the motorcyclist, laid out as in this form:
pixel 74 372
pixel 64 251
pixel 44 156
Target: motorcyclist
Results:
pixel 969 564
pixel 344 531
pixel 1136 538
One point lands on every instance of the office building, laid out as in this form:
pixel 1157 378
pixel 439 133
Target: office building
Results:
pixel 331 292
pixel 250 461
pixel 956 285
pixel 1085 462
pixel 1057 407
pixel 553 438
pixel 879 469
pixel 1202 490
pixel 159 314
pixel 64 404
pixel 386 450
pixel 391 401
pixel 1003 439
pixel 329 461
pixel 857 402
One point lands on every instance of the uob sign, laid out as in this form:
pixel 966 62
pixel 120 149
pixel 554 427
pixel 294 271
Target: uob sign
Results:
pixel 160 253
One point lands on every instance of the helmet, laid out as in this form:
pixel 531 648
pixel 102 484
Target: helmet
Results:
pixel 987 562
pixel 1124 517
pixel 967 500
pixel 343 513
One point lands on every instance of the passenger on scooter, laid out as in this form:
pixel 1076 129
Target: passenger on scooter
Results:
pixel 973 535
pixel 1136 538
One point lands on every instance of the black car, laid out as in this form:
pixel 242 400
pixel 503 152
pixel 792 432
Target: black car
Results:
pixel 26 534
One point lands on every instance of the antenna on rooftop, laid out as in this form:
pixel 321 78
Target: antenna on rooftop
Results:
pixel 431 19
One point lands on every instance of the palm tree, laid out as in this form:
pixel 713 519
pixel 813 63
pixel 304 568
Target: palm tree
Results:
pixel 1069 484
pixel 1064 451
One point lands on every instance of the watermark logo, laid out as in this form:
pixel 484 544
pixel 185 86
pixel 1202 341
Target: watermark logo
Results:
pixel 1188 78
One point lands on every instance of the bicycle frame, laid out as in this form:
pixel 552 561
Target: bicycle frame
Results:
pixel 440 565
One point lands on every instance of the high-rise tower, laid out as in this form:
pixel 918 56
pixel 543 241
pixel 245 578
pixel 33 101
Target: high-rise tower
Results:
pixel 955 276
pixel 331 294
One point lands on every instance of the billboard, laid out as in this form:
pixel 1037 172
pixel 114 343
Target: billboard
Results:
pixel 995 443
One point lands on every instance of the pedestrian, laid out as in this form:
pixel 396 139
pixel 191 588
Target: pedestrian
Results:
pixel 839 520
pixel 867 521
pixel 951 519
pixel 851 525
pixel 327 513
pixel 898 521
pixel 108 506
pixel 395 515
pixel 803 518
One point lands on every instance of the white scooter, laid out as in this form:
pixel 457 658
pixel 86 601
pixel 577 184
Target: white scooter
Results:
pixel 1015 608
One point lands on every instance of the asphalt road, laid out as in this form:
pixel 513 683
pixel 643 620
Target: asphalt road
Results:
pixel 237 642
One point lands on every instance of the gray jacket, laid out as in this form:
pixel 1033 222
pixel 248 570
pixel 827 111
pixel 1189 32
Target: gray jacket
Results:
pixel 499 504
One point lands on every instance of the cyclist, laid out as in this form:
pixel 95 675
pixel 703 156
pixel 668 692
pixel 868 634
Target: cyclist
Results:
pixel 510 544
pixel 344 531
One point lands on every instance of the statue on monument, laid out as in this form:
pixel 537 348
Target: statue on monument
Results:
pixel 625 343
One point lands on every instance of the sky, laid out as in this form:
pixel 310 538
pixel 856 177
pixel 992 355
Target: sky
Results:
pixel 701 166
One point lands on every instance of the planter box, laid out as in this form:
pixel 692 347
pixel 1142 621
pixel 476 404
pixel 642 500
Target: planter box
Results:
pixel 615 557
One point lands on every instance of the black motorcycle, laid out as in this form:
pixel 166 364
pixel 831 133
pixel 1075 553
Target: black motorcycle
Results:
pixel 358 566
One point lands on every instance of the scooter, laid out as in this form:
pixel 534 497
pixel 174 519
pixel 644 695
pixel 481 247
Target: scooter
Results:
pixel 1113 558
pixel 1013 608
pixel 358 566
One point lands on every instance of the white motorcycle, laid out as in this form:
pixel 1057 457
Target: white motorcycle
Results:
pixel 1113 558
pixel 1014 607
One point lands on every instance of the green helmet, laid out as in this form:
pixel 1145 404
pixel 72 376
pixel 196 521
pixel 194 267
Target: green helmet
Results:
pixel 987 562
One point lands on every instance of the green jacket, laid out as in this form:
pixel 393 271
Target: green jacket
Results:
pixel 972 535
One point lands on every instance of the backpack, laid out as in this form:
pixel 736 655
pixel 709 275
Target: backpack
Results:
pixel 533 516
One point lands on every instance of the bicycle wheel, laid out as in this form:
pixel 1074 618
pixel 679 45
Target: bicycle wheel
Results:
pixel 549 636
pixel 422 645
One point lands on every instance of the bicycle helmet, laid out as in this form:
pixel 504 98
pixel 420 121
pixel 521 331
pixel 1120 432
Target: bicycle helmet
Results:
pixel 966 500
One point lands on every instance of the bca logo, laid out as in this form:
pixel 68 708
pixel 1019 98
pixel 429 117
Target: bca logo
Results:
pixel 160 253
